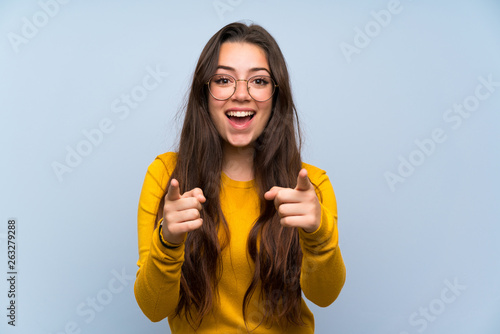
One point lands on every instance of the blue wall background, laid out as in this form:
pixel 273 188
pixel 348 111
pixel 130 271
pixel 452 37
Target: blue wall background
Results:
pixel 399 102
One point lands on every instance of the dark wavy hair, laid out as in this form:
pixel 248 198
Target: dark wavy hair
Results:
pixel 274 249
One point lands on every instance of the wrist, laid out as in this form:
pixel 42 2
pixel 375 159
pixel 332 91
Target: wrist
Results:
pixel 168 242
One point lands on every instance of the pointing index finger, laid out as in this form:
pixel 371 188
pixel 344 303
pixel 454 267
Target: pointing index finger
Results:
pixel 303 182
pixel 173 191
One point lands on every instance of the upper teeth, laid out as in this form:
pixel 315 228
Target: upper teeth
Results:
pixel 240 113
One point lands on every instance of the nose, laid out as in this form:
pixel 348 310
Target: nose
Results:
pixel 241 93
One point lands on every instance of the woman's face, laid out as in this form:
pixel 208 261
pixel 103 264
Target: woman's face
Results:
pixel 241 61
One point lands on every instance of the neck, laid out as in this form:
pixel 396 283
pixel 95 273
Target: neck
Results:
pixel 238 162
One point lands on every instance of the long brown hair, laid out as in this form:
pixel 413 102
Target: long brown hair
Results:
pixel 274 249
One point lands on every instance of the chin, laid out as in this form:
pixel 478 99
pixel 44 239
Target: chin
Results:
pixel 240 143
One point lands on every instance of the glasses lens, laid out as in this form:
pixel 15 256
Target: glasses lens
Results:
pixel 261 88
pixel 222 86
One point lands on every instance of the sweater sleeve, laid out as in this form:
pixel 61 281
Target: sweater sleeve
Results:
pixel 157 281
pixel 323 271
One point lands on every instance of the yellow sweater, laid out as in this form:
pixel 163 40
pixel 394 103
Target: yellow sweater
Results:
pixel 157 282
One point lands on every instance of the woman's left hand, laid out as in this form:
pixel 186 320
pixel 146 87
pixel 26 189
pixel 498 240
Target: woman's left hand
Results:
pixel 297 207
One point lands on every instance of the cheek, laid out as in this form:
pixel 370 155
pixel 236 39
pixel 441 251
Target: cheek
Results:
pixel 215 108
pixel 267 110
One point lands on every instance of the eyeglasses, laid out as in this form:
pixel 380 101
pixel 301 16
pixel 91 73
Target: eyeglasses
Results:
pixel 260 87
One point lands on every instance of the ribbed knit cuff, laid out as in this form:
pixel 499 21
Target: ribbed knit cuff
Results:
pixel 165 243
pixel 324 234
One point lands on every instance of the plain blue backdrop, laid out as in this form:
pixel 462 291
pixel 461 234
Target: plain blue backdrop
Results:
pixel 399 102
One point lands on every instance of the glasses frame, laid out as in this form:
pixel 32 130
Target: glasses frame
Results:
pixel 236 86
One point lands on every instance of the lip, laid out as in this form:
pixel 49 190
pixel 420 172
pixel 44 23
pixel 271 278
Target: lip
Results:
pixel 240 126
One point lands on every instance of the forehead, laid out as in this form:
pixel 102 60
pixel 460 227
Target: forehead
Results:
pixel 242 56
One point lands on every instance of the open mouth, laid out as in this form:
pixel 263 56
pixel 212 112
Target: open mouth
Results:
pixel 240 117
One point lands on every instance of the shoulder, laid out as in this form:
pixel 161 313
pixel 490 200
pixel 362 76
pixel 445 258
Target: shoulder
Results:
pixel 314 173
pixel 323 186
pixel 163 165
pixel 168 159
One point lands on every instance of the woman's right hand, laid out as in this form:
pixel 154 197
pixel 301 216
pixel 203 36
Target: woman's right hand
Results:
pixel 181 213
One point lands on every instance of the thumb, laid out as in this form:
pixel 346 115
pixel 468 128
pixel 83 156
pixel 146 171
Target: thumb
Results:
pixel 196 193
pixel 173 192
pixel 271 193
pixel 303 182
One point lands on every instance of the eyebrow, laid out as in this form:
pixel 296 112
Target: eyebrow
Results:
pixel 253 69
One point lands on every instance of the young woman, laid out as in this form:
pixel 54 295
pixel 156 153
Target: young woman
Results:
pixel 233 227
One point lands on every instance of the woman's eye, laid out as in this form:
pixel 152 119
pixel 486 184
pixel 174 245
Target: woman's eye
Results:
pixel 260 81
pixel 223 80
